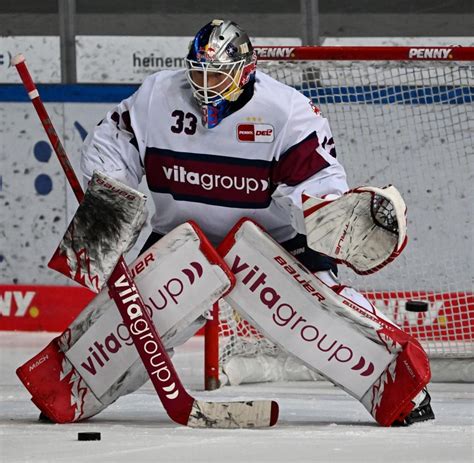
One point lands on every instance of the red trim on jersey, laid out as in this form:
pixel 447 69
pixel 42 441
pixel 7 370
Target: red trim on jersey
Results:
pixel 299 163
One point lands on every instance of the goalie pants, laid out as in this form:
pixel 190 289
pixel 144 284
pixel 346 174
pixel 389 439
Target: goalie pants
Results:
pixel 297 246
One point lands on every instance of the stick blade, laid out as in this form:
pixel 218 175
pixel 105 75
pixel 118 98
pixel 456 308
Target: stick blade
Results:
pixel 232 415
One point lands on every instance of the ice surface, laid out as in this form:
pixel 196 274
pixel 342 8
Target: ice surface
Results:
pixel 318 423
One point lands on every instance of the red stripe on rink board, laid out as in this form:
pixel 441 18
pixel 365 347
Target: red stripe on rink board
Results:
pixel 41 308
pixel 450 316
pixel 53 308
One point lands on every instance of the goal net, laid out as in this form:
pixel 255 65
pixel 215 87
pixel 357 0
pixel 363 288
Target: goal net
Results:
pixel 401 116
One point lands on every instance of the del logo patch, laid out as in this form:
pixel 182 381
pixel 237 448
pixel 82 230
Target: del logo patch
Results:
pixel 257 133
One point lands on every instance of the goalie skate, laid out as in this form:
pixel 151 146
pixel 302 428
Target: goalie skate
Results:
pixel 422 410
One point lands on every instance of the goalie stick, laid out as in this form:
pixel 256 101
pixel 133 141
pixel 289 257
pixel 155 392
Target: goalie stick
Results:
pixel 180 406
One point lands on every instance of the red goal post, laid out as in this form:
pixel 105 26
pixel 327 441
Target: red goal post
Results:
pixel 400 115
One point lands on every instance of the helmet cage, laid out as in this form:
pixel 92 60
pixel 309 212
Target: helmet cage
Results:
pixel 228 86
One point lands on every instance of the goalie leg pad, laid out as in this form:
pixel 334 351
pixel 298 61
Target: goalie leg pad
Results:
pixel 385 400
pixel 94 361
pixel 350 344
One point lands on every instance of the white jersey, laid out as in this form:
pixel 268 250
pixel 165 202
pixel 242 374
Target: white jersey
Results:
pixel 255 163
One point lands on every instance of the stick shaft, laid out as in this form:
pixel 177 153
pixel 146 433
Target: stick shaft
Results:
pixel 33 93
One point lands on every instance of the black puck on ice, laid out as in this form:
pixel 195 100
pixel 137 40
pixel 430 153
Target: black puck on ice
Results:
pixel 416 306
pixel 88 436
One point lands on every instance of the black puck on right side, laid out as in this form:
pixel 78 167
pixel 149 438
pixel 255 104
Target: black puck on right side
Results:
pixel 416 306
pixel 88 436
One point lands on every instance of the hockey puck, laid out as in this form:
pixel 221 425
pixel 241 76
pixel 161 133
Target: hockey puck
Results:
pixel 88 436
pixel 416 306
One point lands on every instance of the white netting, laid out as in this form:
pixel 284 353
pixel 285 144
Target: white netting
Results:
pixel 409 124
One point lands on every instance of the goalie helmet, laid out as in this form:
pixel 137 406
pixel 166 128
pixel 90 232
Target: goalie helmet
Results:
pixel 220 65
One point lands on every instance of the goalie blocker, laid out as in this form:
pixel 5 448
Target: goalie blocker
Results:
pixel 332 329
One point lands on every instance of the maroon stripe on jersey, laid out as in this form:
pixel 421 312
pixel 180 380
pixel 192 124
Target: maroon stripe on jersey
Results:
pixel 127 122
pixel 209 179
pixel 127 125
pixel 299 163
